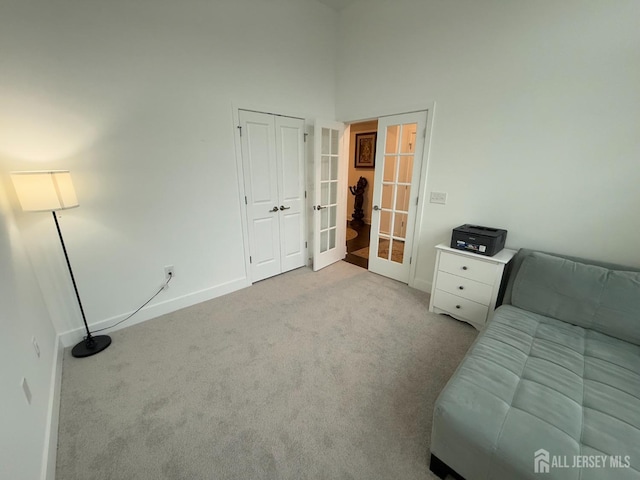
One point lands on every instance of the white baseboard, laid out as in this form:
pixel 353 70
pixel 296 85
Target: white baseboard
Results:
pixel 72 337
pixel 420 284
pixel 50 451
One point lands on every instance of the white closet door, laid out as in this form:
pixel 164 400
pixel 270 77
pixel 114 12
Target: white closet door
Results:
pixel 290 163
pixel 261 186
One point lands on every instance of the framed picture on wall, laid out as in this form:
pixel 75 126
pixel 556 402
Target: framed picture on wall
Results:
pixel 365 150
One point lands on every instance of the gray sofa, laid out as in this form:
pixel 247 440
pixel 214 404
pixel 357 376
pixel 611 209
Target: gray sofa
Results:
pixel 553 381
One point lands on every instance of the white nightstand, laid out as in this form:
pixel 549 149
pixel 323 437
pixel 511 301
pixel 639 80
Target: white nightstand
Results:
pixel 466 285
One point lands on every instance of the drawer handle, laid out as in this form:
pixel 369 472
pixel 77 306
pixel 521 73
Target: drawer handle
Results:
pixel 465 268
pixel 461 287
pixel 458 306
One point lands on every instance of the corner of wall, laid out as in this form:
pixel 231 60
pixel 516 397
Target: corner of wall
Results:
pixel 420 284
pixel 50 450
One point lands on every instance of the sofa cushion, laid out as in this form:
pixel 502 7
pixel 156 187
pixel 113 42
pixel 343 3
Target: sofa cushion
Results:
pixel 532 382
pixel 585 295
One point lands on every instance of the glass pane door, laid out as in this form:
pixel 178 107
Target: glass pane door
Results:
pixel 397 168
pixel 329 194
pixel 329 188
pixel 396 185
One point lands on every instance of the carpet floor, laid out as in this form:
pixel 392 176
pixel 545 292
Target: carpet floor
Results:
pixel 326 375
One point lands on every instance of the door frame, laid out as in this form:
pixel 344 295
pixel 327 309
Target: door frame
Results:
pixel 237 142
pixel 375 114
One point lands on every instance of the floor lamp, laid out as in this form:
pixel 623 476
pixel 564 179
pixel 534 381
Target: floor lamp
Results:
pixel 51 191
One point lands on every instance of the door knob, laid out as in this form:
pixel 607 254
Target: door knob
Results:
pixel 376 207
pixel 320 207
pixel 274 209
pixel 282 207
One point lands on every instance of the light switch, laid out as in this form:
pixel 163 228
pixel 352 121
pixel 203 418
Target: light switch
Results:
pixel 438 197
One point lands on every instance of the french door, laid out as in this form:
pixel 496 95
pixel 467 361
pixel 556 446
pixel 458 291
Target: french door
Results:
pixel 395 193
pixel 273 164
pixel 329 195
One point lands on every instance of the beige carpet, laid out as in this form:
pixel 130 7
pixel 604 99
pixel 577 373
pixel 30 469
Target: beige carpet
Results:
pixel 326 375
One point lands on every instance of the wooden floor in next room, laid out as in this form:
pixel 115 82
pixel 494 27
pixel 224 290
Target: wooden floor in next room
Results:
pixel 358 246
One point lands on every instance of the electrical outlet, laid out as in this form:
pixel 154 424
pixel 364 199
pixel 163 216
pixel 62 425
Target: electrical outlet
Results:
pixel 36 347
pixel 438 197
pixel 168 272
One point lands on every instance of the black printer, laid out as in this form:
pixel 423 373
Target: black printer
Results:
pixel 477 239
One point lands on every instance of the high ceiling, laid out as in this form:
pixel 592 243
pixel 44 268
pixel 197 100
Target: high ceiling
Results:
pixel 337 4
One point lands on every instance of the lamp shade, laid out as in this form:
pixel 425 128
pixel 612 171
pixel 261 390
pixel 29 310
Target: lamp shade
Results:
pixel 44 191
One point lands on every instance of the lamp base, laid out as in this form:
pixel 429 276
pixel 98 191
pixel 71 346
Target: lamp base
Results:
pixel 91 345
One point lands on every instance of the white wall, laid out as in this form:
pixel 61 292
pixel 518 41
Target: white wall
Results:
pixel 135 98
pixel 537 122
pixel 23 315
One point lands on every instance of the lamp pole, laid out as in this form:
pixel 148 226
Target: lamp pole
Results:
pixel 91 345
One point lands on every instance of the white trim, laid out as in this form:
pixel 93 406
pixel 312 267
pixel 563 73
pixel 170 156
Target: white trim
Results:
pixel 387 112
pixel 269 109
pixel 310 190
pixel 422 201
pixel 344 158
pixel 72 337
pixel 243 194
pixel 50 451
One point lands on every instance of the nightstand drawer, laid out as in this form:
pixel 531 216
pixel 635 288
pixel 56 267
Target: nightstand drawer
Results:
pixel 460 307
pixel 465 288
pixel 464 266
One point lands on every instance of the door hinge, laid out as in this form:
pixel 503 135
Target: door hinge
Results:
pixel 245 200
pixel 417 198
pixel 305 137
pixel 250 259
pixel 410 258
pixel 305 244
pixel 424 133
pixel 305 194
pixel 240 129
